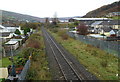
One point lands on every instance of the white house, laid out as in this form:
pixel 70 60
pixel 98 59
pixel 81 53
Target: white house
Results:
pixel 96 24
pixel 11 29
pixel 5 36
pixel 114 32
pixel 19 40
pixel 118 33
pixel 3 29
pixel 12 44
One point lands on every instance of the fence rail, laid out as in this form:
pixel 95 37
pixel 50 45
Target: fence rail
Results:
pixel 23 74
pixel 112 47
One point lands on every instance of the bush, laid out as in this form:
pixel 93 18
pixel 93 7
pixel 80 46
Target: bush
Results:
pixel 63 35
pixel 104 63
pixel 33 43
pixel 82 29
pixel 17 32
pixel 55 30
pixel 20 61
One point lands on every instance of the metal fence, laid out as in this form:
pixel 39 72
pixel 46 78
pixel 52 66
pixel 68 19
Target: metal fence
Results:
pixel 23 74
pixel 112 47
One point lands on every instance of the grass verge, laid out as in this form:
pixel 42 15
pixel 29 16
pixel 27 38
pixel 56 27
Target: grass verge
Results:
pixel 39 65
pixel 6 62
pixel 97 61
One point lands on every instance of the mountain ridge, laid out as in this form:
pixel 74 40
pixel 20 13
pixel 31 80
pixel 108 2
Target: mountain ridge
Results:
pixel 104 10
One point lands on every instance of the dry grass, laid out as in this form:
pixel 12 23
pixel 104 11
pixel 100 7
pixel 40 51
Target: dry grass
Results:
pixel 39 65
pixel 97 61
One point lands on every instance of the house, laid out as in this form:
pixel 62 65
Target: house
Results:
pixel 3 73
pixel 118 33
pixel 112 14
pixel 96 24
pixel 91 30
pixel 113 32
pixel 12 29
pixel 90 19
pixel 12 44
pixel 6 36
pixel 88 23
pixel 114 24
pixel 19 40
pixel 3 29
pixel 106 31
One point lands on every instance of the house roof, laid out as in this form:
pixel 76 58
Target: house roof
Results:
pixel 107 29
pixel 114 22
pixel 115 30
pixel 15 39
pixel 110 22
pixel 11 42
pixel 88 22
pixel 96 23
pixel 5 34
pixel 3 73
pixel 12 27
pixel 88 19
pixel 2 27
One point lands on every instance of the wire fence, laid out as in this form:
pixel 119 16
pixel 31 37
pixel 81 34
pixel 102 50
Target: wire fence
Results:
pixel 112 47
pixel 24 72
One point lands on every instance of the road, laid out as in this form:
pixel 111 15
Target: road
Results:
pixel 64 66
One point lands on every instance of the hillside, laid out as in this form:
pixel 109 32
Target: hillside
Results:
pixel 102 11
pixel 13 17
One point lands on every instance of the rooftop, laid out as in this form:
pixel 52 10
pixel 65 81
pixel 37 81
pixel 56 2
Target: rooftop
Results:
pixel 2 27
pixel 96 22
pixel 15 39
pixel 87 19
pixel 11 42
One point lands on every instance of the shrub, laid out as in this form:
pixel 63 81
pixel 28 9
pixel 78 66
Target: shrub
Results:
pixel 63 35
pixel 82 29
pixel 33 43
pixel 17 32
pixel 104 63
pixel 55 30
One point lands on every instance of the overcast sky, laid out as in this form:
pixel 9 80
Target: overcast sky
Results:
pixel 47 8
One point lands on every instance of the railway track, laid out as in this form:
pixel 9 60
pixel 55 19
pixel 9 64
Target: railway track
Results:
pixel 67 67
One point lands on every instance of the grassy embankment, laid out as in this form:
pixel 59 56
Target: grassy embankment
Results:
pixel 5 61
pixel 39 65
pixel 98 62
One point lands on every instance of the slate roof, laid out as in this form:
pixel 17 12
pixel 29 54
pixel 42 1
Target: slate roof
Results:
pixel 5 34
pixel 2 27
pixel 107 29
pixel 115 30
pixel 11 42
pixel 88 22
pixel 111 22
pixel 96 23
pixel 89 19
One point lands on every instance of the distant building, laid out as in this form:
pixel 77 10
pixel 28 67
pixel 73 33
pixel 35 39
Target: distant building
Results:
pixel 12 44
pixel 106 31
pixel 11 29
pixel 112 14
pixel 90 19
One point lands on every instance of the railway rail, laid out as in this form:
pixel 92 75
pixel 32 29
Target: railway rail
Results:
pixel 69 69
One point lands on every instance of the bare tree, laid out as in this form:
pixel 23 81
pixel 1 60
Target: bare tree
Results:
pixel 82 29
